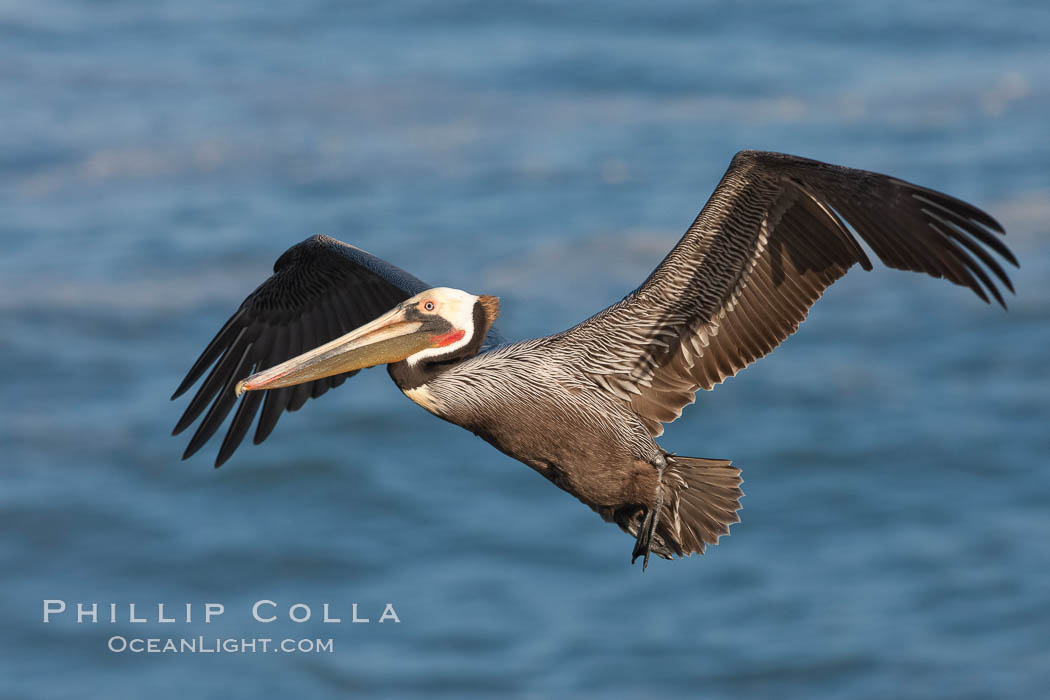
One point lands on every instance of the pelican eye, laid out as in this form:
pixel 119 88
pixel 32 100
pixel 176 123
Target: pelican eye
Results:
pixel 428 306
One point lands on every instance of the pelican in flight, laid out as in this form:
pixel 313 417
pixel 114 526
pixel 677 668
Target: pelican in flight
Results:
pixel 583 407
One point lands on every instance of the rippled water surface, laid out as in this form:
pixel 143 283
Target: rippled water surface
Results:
pixel 155 158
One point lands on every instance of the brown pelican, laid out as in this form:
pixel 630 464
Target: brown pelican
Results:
pixel 583 407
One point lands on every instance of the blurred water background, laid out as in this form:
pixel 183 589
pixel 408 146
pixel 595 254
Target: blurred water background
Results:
pixel 156 158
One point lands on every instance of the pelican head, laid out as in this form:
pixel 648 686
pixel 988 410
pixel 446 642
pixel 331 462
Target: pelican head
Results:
pixel 437 323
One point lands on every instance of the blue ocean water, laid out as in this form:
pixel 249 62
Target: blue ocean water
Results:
pixel 156 158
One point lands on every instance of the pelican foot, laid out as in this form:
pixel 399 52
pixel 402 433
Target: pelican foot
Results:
pixel 647 530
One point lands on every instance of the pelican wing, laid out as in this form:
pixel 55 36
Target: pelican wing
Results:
pixel 764 248
pixel 320 289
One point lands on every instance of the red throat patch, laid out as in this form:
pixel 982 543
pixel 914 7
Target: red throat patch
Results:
pixel 445 339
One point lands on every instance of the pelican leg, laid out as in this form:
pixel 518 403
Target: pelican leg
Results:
pixel 647 530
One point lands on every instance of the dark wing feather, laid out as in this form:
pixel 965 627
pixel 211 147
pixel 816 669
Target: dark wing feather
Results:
pixel 765 247
pixel 320 289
